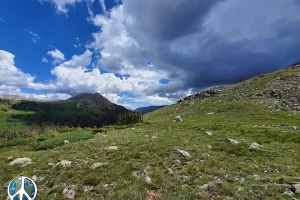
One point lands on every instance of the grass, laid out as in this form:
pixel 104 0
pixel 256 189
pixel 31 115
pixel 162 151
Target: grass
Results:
pixel 277 162
pixel 150 146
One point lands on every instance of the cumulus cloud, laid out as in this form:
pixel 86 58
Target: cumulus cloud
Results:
pixel 10 74
pixel 9 90
pixel 197 44
pixel 57 55
pixel 61 5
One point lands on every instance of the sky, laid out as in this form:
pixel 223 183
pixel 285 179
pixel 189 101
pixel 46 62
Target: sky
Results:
pixel 140 53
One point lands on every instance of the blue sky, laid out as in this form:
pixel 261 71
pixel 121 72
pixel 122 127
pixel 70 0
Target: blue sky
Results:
pixel 139 53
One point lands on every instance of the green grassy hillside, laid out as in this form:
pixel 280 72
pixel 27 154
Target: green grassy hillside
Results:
pixel 216 169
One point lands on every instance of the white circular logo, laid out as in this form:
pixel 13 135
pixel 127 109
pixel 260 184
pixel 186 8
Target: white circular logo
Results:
pixel 22 188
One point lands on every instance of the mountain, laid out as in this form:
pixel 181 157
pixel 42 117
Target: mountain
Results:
pixel 18 98
pixel 144 110
pixel 238 141
pixel 279 90
pixel 84 110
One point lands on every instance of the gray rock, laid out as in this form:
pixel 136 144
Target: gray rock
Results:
pixel 170 171
pixel 51 164
pixel 256 177
pixel 211 113
pixel 66 142
pixel 204 187
pixel 64 163
pixel 294 127
pixel 255 146
pixel 288 193
pixel 142 174
pixel 96 165
pixel 177 119
pixel 208 133
pixel 10 158
pixel 88 188
pixel 182 153
pixel 111 148
pixel 69 192
pixel 232 141
pixel 296 188
pixel 21 161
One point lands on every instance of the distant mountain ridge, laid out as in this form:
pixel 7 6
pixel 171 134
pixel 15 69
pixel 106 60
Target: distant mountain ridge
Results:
pixel 145 110
pixel 84 110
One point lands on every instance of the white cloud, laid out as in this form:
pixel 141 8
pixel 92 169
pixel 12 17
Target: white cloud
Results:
pixel 61 5
pixel 128 106
pixel 44 60
pixel 13 90
pixel 9 90
pixel 57 55
pixel 35 36
pixel 1 19
pixel 112 97
pixel 10 74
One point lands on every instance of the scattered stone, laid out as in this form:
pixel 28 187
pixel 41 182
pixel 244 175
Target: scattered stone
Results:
pixel 132 128
pixel 21 161
pixel 170 171
pixel 232 141
pixel 110 148
pixel 143 174
pixel 154 137
pixel 208 133
pixel 177 119
pixel 96 165
pixel 66 142
pixel 296 188
pixel 51 164
pixel 209 146
pixel 10 158
pixel 239 189
pixel 294 127
pixel 69 192
pixel 88 188
pixel 204 187
pixel 256 177
pixel 211 113
pixel 220 140
pixel 64 163
pixel 255 146
pixel 182 153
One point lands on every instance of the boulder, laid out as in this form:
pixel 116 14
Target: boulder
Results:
pixel 255 146
pixel 96 165
pixel 296 188
pixel 143 174
pixel 69 192
pixel 183 153
pixel 66 142
pixel 177 119
pixel 21 161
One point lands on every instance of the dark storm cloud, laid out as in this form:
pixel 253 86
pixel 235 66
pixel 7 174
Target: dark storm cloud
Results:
pixel 168 20
pixel 198 56
pixel 200 43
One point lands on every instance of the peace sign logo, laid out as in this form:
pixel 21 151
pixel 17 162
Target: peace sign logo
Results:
pixel 22 188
